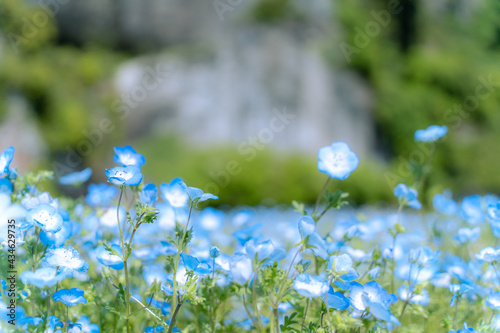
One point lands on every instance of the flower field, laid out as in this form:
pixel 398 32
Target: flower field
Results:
pixel 137 257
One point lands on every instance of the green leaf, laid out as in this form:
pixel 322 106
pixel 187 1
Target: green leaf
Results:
pixel 299 207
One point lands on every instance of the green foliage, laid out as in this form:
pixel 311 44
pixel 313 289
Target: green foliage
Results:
pixel 429 84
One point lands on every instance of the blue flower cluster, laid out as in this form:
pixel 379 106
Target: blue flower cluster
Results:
pixel 147 258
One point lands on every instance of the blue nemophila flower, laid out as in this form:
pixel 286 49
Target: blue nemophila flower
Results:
pixel 149 194
pixel 374 297
pixel 337 160
pixel 43 277
pixel 130 175
pixel 310 286
pixel 5 159
pixel 431 133
pixel 12 174
pixel 55 323
pixel 127 156
pixel 193 264
pixel 340 267
pixel 210 219
pixel 471 210
pixel 178 194
pixel 466 329
pixel 107 259
pixel 242 218
pixel 467 235
pixel 409 294
pixel 57 239
pixel 68 260
pixel 241 268
pixel 245 234
pixel 373 273
pixel 407 196
pixel 6 186
pixel 100 194
pixel 424 256
pixel 196 194
pixel 46 217
pixel 264 250
pixel 306 226
pixel 86 325
pixel 488 254
pixel 312 239
pixel 493 301
pixel 336 300
pixel 214 252
pixel 175 193
pixel 30 321
pixel 76 178
pixel 52 324
pixel 74 328
pixel 444 204
pixel 493 212
pixel 457 291
pixel 70 297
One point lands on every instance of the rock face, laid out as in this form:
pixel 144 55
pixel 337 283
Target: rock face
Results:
pixel 229 76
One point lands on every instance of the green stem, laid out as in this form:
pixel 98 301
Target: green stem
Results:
pixel 125 259
pixel 321 194
pixel 67 318
pixel 393 266
pixel 280 290
pixel 211 310
pixel 326 302
pixel 305 315
pixel 33 268
pixel 248 311
pixel 276 320
pixel 174 316
pixel 35 259
pixel 254 301
pixel 180 248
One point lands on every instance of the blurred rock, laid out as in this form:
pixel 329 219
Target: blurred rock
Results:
pixel 227 73
pixel 20 130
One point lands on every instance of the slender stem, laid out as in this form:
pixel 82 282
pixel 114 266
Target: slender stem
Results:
pixel 326 301
pixel 280 290
pixel 144 307
pixel 174 316
pixel 404 306
pixel 393 266
pixel 276 319
pixel 305 315
pixel 248 311
pixel 35 259
pixel 67 318
pixel 33 268
pixel 140 303
pixel 180 248
pixel 125 266
pixel 321 194
pixel 211 310
pixel 254 300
